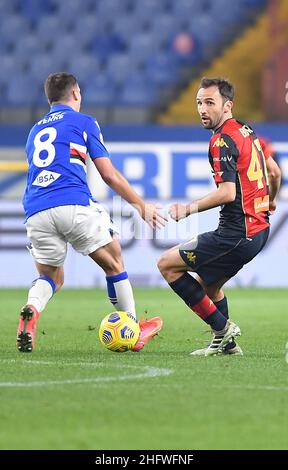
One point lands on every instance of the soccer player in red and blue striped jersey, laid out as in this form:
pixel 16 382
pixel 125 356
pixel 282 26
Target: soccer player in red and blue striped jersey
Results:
pixel 242 178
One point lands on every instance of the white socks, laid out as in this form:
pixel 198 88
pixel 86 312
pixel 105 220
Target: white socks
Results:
pixel 120 293
pixel 41 292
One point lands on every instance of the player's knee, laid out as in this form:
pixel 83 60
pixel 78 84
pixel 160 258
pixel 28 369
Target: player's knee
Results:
pixel 163 265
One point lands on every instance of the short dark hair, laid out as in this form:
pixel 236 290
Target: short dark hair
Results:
pixel 226 89
pixel 58 85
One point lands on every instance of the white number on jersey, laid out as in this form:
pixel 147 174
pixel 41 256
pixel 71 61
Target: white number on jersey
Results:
pixel 44 146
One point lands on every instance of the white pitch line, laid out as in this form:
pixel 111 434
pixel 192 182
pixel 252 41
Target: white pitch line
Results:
pixel 67 363
pixel 64 363
pixel 150 372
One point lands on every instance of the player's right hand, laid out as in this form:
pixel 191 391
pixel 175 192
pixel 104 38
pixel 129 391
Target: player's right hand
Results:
pixel 152 216
pixel 178 211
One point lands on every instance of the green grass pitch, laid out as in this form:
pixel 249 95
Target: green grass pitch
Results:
pixel 71 393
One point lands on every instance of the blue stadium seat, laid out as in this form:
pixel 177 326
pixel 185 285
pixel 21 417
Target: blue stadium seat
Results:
pixel 137 92
pixel 112 9
pixel 98 91
pixel 255 3
pixel 141 47
pixel 10 67
pixel 149 9
pixel 50 25
pixel 29 45
pixel 162 69
pixel 127 26
pixel 33 9
pixel 22 90
pixel 161 38
pixel 6 44
pixel 8 7
pixel 68 12
pixel 42 65
pixel 186 9
pixel 12 27
pixel 103 45
pixel 68 46
pixel 137 97
pixel 165 24
pixel 87 26
pixel 235 14
pixel 206 29
pixel 84 67
pixel 119 67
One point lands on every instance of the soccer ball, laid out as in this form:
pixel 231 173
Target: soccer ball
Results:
pixel 119 331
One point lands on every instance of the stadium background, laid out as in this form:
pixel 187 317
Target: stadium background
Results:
pixel 139 65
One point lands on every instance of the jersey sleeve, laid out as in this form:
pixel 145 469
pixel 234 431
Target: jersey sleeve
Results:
pixel 223 156
pixel 266 148
pixel 95 143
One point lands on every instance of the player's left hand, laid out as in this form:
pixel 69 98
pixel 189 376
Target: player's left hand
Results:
pixel 272 207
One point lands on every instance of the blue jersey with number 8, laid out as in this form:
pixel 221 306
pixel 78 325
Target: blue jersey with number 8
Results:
pixel 57 148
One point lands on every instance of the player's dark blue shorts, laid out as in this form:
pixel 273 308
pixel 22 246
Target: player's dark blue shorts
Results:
pixel 215 257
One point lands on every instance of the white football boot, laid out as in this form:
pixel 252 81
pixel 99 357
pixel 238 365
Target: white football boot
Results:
pixel 236 351
pixel 219 340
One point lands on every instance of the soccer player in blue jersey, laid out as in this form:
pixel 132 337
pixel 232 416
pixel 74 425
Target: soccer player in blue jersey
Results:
pixel 60 209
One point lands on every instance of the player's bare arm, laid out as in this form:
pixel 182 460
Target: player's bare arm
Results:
pixel 274 176
pixel 225 193
pixel 116 181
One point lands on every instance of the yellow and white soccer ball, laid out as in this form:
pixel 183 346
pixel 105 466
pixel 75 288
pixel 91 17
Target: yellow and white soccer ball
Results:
pixel 119 331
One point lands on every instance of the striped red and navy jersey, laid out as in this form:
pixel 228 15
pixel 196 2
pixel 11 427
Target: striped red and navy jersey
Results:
pixel 57 148
pixel 236 156
pixel 267 148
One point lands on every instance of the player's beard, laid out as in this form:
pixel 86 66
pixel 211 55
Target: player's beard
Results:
pixel 211 124
pixel 207 123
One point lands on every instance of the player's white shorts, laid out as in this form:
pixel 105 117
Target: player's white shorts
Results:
pixel 86 228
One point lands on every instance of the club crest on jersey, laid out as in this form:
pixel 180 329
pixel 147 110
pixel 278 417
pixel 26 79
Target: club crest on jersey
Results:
pixel 220 143
pixel 45 178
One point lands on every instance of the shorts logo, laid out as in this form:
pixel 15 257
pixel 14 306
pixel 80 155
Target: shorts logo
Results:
pixel 261 204
pixel 190 256
pixel 220 143
pixel 45 178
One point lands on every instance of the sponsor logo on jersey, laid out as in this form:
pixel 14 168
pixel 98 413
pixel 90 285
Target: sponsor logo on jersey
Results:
pixel 45 178
pixel 220 143
pixel 261 204
pixel 223 159
pixel 52 118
